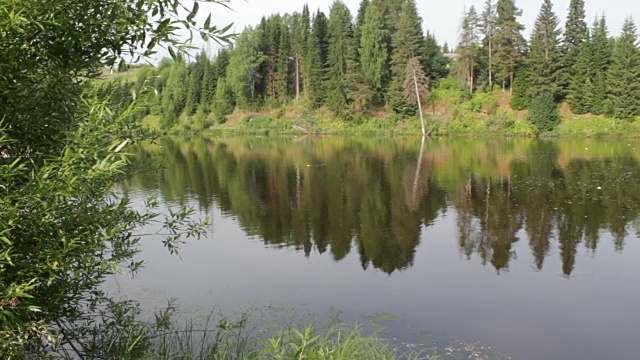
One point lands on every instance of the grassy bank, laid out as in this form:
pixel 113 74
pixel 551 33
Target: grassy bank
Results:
pixel 482 115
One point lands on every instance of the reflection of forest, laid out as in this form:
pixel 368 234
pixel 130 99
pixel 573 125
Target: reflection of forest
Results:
pixel 333 194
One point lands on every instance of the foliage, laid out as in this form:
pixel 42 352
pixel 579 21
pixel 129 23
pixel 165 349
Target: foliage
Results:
pixel 544 56
pixel 63 144
pixel 543 113
pixel 375 41
pixel 524 89
pixel 624 75
pixel 340 58
pixel 509 42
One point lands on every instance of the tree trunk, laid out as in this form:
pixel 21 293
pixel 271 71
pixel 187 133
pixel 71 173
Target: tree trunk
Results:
pixel 511 83
pixel 490 66
pixel 297 77
pixel 415 81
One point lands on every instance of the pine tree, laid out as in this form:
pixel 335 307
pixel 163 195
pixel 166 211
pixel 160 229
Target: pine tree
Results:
pixel 509 42
pixel 601 52
pixel 624 75
pixel 390 10
pixel 523 89
pixel 224 100
pixel 208 87
pixel 435 63
pixel 361 19
pixel 488 26
pixel 408 43
pixel 581 87
pixel 196 74
pixel 468 49
pixel 284 61
pixel 317 59
pixel 374 52
pixel 301 28
pixel 341 52
pixel 544 55
pixel 575 34
pixel 243 71
pixel 174 96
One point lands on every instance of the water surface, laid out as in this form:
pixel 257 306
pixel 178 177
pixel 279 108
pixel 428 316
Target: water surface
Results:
pixel 530 247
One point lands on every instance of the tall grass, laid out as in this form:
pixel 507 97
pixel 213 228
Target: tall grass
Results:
pixel 235 342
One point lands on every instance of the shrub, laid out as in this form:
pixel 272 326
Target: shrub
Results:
pixel 544 114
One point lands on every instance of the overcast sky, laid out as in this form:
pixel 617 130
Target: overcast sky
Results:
pixel 439 16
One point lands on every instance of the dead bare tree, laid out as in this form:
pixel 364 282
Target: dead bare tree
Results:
pixel 416 87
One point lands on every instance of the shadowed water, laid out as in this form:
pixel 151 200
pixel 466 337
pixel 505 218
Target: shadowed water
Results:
pixel 527 246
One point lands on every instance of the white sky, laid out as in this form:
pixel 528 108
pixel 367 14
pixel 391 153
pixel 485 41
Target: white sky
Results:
pixel 441 17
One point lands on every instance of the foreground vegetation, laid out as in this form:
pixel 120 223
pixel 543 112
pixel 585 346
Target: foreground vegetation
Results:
pixel 63 147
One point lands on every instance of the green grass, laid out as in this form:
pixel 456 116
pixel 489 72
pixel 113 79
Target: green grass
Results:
pixel 233 341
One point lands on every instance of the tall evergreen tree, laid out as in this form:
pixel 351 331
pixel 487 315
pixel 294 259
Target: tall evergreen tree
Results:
pixel 435 63
pixel 243 71
pixel 174 96
pixel 284 61
pixel 601 51
pixel 361 19
pixel 408 43
pixel 374 52
pixel 576 32
pixel 624 74
pixel 317 59
pixel 488 26
pixel 581 87
pixel 509 42
pixel 391 10
pixel 341 52
pixel 208 87
pixel 196 74
pixel 544 55
pixel 468 49
pixel 301 28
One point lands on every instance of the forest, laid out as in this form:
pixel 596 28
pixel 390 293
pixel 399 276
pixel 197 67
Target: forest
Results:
pixel 353 67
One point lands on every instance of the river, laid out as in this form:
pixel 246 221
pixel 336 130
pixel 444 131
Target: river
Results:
pixel 526 246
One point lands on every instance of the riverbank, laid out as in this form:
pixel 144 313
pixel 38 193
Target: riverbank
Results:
pixel 466 119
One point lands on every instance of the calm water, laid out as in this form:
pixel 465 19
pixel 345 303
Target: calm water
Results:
pixel 530 247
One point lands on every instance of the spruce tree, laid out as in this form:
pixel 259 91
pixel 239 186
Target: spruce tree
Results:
pixel 174 96
pixel 341 53
pixel 510 44
pixel 408 43
pixel 284 61
pixel 390 10
pixel 196 74
pixel 488 26
pixel 601 51
pixel 576 32
pixel 435 63
pixel 624 74
pixel 317 59
pixel 468 49
pixel 361 19
pixel 208 87
pixel 544 55
pixel 581 87
pixel 374 52
pixel 523 89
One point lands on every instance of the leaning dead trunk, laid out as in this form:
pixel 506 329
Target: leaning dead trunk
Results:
pixel 416 86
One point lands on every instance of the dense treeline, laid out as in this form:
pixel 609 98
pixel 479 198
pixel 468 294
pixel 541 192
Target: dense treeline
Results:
pixel 334 60
pixel 381 59
pixel 593 72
